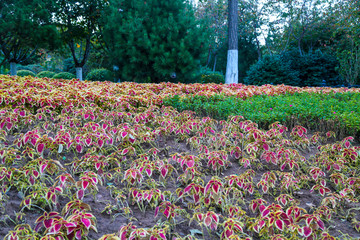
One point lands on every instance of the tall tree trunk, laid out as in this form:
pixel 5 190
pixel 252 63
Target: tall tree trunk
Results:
pixel 258 49
pixel 209 57
pixel 214 67
pixel 232 71
pixel 79 74
pixel 13 68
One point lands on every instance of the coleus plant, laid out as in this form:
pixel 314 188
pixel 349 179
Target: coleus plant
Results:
pixel 76 226
pixel 169 210
pixel 195 190
pixel 321 187
pixel 132 176
pixel 267 181
pixel 242 181
pixel 42 196
pixel 232 228
pixel 210 220
pixel 152 197
pixel 271 220
pixel 214 192
pixel 188 175
pixel 22 231
pixel 217 160
pixel 88 180
pixel 288 182
pixel 131 232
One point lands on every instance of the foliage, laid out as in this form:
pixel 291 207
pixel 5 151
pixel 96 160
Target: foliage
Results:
pixel 345 41
pixel 213 15
pixel 310 109
pixel 291 68
pixel 159 40
pixel 100 74
pixel 64 75
pixel 45 74
pixel 272 70
pixel 213 78
pixel 24 73
pixel 25 26
pixel 314 68
pixel 35 68
pixel 69 65
pixel 78 21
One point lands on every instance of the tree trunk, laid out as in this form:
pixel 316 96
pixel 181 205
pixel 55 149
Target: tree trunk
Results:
pixel 214 67
pixel 232 72
pixel 258 49
pixel 79 73
pixel 13 68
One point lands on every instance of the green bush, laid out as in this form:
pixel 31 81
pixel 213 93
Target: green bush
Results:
pixel 35 68
pixel 64 75
pixel 101 74
pixel 24 73
pixel 45 74
pixel 272 70
pixel 206 75
pixel 291 68
pixel 314 68
pixel 213 78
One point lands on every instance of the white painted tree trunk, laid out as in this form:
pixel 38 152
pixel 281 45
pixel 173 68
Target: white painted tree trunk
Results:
pixel 13 68
pixel 232 69
pixel 79 73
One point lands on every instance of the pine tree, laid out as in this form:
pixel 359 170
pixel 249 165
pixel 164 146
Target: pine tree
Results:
pixel 156 40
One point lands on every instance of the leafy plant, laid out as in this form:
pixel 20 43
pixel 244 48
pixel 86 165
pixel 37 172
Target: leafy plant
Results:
pixel 100 74
pixel 64 75
pixel 25 73
pixel 47 74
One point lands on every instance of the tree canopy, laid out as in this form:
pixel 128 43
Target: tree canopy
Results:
pixel 156 39
pixel 25 26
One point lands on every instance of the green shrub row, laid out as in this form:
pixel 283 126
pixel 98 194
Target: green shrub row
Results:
pixel 291 68
pixel 340 111
pixel 24 73
pixel 45 74
pixel 95 75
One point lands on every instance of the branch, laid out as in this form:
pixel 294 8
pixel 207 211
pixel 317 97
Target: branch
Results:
pixel 24 58
pixel 72 49
pixel 87 50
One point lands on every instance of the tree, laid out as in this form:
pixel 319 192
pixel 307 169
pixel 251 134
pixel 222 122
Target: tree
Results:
pixel 345 42
pixel 78 21
pixel 232 60
pixel 213 14
pixel 25 26
pixel 153 40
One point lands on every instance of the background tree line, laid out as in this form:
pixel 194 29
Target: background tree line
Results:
pixel 296 42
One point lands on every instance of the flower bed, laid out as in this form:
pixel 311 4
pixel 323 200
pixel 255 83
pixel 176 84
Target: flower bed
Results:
pixel 90 160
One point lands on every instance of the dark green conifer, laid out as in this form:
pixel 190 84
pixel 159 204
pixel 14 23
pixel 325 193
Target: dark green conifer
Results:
pixel 153 40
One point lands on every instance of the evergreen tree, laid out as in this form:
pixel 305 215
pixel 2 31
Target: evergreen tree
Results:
pixel 25 26
pixel 154 40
